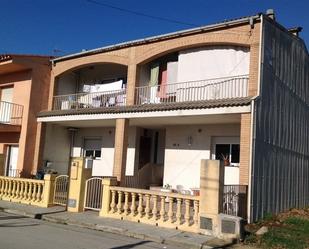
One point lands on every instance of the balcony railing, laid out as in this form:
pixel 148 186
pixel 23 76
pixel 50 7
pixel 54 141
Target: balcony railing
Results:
pixel 10 113
pixel 210 89
pixel 90 100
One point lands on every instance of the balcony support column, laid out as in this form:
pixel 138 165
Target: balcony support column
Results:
pixel 132 77
pixel 121 146
pixel 52 88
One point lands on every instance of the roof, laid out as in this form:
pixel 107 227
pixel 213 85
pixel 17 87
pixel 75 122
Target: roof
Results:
pixel 152 107
pixel 6 57
pixel 224 24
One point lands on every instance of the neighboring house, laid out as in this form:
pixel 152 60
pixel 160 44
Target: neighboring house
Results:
pixel 148 111
pixel 24 86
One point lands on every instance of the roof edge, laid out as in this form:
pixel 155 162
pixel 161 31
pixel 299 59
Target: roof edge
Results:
pixel 150 39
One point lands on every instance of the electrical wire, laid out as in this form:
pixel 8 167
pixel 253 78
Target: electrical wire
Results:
pixel 140 13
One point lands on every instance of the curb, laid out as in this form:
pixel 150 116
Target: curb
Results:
pixel 125 232
pixel 23 213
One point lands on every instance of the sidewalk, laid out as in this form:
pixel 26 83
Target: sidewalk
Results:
pixel 91 220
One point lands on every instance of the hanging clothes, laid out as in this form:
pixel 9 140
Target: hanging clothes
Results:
pixel 162 82
pixel 153 83
pixel 154 74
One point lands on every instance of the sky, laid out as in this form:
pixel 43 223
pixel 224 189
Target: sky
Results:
pixel 59 27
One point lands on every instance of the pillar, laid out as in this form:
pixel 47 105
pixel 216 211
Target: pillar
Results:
pixel 245 144
pixel 49 189
pixel 133 77
pixel 121 146
pixel 106 195
pixel 78 176
pixel 211 190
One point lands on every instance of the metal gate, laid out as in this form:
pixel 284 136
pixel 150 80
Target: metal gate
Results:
pixel 61 190
pixel 93 193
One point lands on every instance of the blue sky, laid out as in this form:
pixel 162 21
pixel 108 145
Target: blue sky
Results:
pixel 40 26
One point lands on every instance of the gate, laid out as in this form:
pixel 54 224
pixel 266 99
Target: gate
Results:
pixel 61 190
pixel 93 193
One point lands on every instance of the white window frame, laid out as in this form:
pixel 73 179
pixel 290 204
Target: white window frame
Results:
pixel 85 149
pixel 225 140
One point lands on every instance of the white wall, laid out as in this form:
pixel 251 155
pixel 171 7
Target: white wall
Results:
pixel 182 161
pixel 212 62
pixel 57 148
pixel 103 166
pixel 133 145
pixel 231 175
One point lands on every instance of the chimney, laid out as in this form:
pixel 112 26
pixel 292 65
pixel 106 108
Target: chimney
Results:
pixel 271 14
pixel 295 31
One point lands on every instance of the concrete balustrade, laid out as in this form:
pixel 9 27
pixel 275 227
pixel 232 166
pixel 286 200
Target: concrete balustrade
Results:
pixel 27 191
pixel 169 210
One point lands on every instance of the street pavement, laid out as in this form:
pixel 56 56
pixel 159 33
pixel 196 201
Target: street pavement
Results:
pixel 20 232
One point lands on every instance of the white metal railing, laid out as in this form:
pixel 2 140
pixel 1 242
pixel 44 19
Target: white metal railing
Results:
pixel 235 200
pixel 93 193
pixel 90 100
pixel 218 88
pixel 160 208
pixel 10 113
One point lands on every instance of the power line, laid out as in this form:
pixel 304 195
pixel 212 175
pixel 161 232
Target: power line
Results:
pixel 141 14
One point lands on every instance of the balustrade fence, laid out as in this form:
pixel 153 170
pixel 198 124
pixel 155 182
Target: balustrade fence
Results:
pixel 158 208
pixel 27 191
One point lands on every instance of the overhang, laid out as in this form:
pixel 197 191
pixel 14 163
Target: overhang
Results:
pixel 222 106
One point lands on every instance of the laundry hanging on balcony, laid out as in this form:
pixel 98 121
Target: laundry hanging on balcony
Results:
pixel 153 83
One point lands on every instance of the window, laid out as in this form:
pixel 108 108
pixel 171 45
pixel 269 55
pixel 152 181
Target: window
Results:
pixel 229 153
pixel 92 148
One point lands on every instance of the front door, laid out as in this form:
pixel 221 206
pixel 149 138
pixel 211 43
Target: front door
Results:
pixel 12 170
pixel 144 151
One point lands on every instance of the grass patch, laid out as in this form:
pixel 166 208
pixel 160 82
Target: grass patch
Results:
pixel 294 233
pixel 286 231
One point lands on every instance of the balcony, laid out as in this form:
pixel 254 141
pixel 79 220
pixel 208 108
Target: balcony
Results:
pixel 210 89
pixel 191 91
pixel 10 113
pixel 90 100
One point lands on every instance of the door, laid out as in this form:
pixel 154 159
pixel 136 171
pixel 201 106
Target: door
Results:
pixel 144 151
pixel 12 170
pixel 5 105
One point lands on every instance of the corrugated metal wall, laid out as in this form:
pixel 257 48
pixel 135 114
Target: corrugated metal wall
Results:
pixel 280 165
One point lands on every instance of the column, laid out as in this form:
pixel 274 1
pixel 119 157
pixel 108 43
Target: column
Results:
pixel 78 176
pixel 121 146
pixel 211 189
pixel 245 144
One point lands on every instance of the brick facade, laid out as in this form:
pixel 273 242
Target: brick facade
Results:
pixel 245 144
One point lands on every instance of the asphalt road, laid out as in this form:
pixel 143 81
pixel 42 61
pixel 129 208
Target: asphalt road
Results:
pixel 19 232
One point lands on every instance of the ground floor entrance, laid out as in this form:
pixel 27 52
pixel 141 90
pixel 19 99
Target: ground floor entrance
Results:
pixel 11 161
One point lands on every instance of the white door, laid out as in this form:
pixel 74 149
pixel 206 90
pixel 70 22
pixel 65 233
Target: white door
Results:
pixel 5 106
pixel 13 157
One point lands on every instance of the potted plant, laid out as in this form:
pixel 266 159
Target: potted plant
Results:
pixel 226 160
pixel 167 188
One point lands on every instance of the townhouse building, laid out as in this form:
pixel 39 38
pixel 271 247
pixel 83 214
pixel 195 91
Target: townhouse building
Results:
pixel 24 87
pixel 148 111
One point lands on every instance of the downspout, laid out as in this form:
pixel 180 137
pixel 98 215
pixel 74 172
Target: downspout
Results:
pixel 72 132
pixel 252 124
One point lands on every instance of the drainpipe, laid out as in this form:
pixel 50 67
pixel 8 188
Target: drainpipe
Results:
pixel 252 124
pixel 72 131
